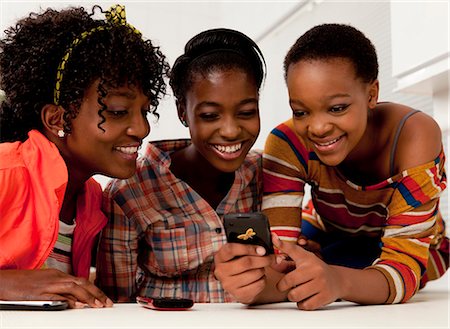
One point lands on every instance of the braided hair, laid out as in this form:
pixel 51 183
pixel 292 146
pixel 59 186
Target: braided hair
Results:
pixel 216 49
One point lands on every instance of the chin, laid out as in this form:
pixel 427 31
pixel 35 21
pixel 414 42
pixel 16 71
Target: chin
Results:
pixel 330 161
pixel 123 174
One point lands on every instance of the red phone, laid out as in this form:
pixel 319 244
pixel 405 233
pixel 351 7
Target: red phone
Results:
pixel 165 303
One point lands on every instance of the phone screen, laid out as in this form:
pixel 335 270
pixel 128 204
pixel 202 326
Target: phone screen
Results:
pixel 249 228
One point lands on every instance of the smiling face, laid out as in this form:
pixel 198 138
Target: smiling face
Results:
pixel 222 112
pixel 330 107
pixel 112 151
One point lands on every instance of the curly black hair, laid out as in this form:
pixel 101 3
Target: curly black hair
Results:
pixel 216 49
pixel 336 40
pixel 32 49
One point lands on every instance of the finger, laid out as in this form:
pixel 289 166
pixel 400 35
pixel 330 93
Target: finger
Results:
pixel 247 294
pixel 302 292
pixel 76 291
pixel 292 250
pixel 312 303
pixel 233 250
pixel 243 279
pixel 241 265
pixel 294 279
pixel 285 266
pixel 102 299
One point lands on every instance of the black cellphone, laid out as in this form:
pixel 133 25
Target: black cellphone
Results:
pixel 248 228
pixel 165 303
pixel 33 305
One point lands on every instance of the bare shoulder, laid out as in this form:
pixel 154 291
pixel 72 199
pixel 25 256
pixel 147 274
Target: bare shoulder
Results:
pixel 420 141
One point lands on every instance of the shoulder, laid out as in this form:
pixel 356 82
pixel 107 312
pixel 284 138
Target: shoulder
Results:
pixel 419 140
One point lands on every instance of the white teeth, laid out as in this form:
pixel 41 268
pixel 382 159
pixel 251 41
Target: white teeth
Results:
pixel 329 143
pixel 228 149
pixel 127 149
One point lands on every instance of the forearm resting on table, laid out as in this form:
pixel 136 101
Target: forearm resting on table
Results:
pixel 367 286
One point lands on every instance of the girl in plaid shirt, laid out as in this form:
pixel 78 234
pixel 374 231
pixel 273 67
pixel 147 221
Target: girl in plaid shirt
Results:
pixel 165 223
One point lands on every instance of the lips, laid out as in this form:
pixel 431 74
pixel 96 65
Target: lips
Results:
pixel 228 149
pixel 328 143
pixel 127 149
pixel 327 146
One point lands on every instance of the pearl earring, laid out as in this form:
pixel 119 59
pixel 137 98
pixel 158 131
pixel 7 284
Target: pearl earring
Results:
pixel 61 133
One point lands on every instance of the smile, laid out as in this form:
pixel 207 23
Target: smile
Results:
pixel 328 143
pixel 228 149
pixel 127 149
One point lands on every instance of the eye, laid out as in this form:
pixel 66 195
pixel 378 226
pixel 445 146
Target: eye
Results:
pixel 298 114
pixel 208 116
pixel 247 114
pixel 339 108
pixel 117 113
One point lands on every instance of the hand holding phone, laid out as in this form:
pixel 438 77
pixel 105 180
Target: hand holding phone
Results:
pixel 165 303
pixel 249 228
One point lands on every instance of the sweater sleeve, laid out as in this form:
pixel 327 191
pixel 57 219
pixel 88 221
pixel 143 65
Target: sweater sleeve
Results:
pixel 284 172
pixel 413 224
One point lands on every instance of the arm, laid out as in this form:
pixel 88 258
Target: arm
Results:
pixel 285 164
pixel 414 221
pixel 117 254
pixel 50 284
pixel 20 275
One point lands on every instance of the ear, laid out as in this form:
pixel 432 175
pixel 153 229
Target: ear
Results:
pixel 181 109
pixel 52 117
pixel 374 89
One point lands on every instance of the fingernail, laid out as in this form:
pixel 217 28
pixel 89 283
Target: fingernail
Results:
pixel 279 259
pixel 80 305
pixel 260 251
pixel 109 302
pixel 98 303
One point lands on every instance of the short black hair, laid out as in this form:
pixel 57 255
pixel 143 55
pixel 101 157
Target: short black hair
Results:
pixel 216 49
pixel 33 48
pixel 328 41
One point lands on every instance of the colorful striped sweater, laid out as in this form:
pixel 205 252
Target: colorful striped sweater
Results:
pixel 402 210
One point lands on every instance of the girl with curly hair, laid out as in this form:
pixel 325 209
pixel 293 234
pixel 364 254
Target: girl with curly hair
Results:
pixel 77 93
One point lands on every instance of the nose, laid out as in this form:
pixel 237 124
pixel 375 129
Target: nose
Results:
pixel 319 126
pixel 230 128
pixel 139 126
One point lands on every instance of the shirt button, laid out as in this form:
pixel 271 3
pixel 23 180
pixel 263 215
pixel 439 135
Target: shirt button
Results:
pixel 218 230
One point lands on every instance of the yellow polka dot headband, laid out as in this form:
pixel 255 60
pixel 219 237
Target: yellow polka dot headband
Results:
pixel 114 16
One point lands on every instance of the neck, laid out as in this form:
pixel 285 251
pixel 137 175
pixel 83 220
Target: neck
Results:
pixel 212 184
pixel 75 186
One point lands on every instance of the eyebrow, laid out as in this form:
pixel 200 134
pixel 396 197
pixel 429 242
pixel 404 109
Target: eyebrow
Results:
pixel 327 98
pixel 126 94
pixel 214 104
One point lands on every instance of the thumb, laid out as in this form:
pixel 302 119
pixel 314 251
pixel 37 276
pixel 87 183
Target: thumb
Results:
pixel 292 250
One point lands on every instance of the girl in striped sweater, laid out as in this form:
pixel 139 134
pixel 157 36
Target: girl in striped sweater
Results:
pixel 376 172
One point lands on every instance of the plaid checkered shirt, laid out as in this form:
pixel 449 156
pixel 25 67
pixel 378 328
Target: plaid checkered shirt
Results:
pixel 161 235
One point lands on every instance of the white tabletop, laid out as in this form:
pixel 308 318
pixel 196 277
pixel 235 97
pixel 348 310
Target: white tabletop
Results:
pixel 428 309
